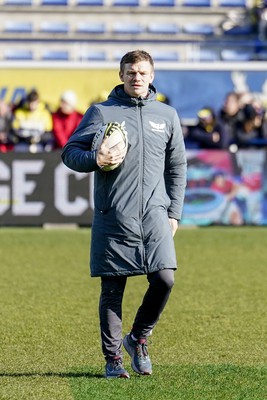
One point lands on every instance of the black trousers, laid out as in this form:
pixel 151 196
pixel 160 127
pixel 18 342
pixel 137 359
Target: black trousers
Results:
pixel 148 314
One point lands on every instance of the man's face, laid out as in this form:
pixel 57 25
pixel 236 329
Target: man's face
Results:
pixel 231 105
pixel 33 105
pixel 136 78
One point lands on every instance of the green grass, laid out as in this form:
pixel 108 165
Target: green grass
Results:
pixel 209 344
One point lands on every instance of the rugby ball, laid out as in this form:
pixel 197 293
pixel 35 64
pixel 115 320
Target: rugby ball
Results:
pixel 115 135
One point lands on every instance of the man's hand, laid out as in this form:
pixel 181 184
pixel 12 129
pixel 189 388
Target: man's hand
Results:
pixel 174 225
pixel 110 156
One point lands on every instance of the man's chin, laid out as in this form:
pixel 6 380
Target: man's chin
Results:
pixel 138 93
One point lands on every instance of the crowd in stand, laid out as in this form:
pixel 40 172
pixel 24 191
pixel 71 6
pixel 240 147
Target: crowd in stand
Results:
pixel 240 123
pixel 31 126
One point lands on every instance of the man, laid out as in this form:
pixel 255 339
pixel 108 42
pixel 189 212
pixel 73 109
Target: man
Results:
pixel 208 133
pixel 137 206
pixel 32 124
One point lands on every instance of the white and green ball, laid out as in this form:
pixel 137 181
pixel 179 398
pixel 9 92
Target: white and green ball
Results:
pixel 116 136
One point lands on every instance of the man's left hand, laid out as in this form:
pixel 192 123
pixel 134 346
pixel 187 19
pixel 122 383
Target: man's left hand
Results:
pixel 174 225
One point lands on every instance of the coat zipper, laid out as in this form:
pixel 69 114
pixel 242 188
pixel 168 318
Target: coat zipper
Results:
pixel 141 172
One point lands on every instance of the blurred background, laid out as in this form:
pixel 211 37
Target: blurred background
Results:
pixel 57 57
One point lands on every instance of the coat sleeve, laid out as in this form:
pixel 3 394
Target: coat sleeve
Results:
pixel 77 154
pixel 175 170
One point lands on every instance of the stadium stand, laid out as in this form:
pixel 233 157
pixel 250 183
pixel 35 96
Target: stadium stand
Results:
pixel 203 55
pixel 18 27
pixel 90 3
pixel 127 28
pixel 54 2
pixel 126 3
pixel 92 55
pixel 163 28
pixel 236 55
pixel 193 29
pixel 161 3
pixel 18 2
pixel 90 27
pixel 170 56
pixel 54 27
pixel 55 55
pixel 198 29
pixel 18 54
pixel 196 3
pixel 232 3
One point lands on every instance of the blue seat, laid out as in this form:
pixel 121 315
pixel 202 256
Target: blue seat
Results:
pixel 204 55
pixel 90 27
pixel 54 27
pixel 54 2
pixel 118 54
pixel 261 55
pixel 127 28
pixel 196 3
pixel 161 3
pixel 18 27
pixel 90 3
pixel 236 55
pixel 126 3
pixel 232 3
pixel 18 54
pixel 163 28
pixel 239 30
pixel 55 55
pixel 93 55
pixel 165 56
pixel 18 2
pixel 198 29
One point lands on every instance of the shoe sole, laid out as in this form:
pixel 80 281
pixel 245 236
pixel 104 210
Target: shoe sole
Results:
pixel 122 376
pixel 129 351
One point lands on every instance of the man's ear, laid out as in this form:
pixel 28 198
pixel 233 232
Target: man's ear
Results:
pixel 152 76
pixel 121 76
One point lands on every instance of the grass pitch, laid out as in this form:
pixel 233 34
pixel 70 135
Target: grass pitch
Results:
pixel 209 344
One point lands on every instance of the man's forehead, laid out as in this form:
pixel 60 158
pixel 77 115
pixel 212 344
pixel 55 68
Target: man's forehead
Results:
pixel 139 66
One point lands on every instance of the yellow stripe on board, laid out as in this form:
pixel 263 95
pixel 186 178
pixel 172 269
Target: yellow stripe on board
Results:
pixel 89 85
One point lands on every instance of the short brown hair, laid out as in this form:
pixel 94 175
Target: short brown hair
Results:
pixel 135 56
pixel 33 95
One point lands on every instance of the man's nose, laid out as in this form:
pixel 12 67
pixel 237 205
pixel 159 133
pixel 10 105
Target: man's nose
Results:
pixel 137 76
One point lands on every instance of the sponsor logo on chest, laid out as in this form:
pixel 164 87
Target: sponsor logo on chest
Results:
pixel 157 127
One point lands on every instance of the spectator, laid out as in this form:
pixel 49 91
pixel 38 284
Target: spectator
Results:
pixel 249 132
pixel 65 119
pixel 208 133
pixel 229 115
pixel 163 98
pixel 260 119
pixel 6 137
pixel 259 12
pixel 32 125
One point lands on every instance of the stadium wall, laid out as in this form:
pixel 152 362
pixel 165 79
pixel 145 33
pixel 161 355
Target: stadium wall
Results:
pixel 223 188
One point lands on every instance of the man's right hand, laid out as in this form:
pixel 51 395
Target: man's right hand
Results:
pixel 110 156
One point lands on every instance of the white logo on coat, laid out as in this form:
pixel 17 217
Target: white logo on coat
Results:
pixel 160 128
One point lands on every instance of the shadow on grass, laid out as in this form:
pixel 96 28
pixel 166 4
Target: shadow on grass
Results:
pixel 51 374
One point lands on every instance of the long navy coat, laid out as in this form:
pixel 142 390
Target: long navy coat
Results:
pixel 131 234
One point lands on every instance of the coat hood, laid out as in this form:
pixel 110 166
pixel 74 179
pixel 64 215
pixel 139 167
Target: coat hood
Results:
pixel 119 94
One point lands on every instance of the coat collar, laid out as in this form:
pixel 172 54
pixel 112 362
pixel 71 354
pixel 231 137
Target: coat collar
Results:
pixel 119 94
